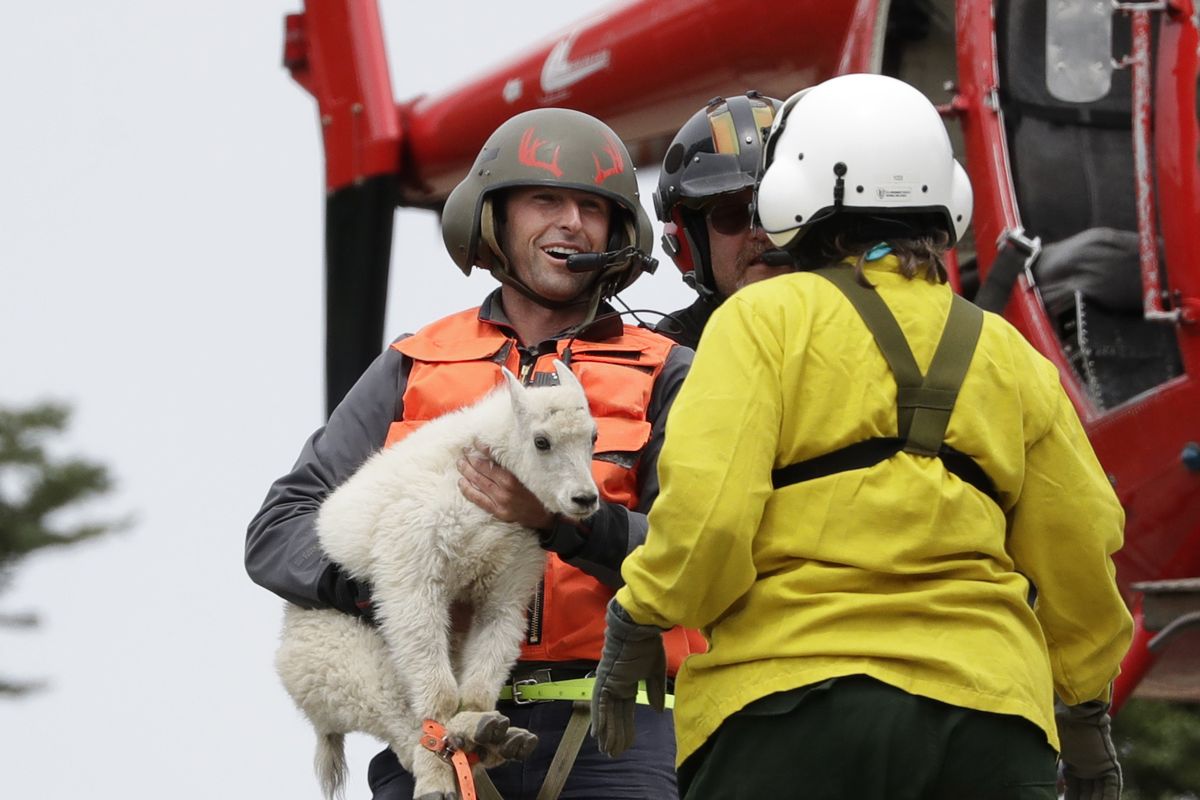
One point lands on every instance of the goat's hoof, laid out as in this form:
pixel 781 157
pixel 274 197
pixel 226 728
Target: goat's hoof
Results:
pixel 518 745
pixel 477 730
pixel 492 729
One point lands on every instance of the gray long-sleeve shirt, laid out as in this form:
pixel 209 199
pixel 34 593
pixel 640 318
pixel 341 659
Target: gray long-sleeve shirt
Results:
pixel 282 551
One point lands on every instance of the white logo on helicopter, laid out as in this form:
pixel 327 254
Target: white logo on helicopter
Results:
pixel 560 71
pixel 513 90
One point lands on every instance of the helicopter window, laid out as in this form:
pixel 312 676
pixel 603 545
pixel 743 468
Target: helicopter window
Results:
pixel 1078 41
pixel 1086 147
pixel 919 48
pixel 1074 178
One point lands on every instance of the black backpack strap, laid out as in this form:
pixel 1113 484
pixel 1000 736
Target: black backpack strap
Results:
pixel 870 452
pixel 962 465
pixel 859 455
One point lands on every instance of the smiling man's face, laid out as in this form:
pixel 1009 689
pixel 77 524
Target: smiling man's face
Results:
pixel 543 226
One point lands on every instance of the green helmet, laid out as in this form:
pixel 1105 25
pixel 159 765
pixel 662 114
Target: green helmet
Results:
pixel 555 147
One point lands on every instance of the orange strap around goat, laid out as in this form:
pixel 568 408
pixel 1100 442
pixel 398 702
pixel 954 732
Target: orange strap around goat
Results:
pixel 433 738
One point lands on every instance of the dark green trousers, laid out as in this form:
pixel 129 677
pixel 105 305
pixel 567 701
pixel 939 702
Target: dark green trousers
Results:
pixel 855 738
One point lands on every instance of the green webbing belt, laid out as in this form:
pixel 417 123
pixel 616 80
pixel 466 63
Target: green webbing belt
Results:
pixel 577 689
pixel 923 402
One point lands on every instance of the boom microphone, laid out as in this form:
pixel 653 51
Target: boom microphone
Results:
pixel 589 262
pixel 597 262
pixel 778 258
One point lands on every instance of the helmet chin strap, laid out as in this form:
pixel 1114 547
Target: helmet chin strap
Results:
pixel 706 294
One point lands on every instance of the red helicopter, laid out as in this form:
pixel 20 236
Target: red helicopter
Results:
pixel 1077 122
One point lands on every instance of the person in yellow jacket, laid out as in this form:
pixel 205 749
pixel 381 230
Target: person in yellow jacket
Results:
pixel 878 503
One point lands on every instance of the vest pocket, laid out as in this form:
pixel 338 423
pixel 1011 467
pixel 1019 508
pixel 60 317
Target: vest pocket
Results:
pixel 620 435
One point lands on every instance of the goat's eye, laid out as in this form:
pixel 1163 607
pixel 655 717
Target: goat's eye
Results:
pixel 541 443
pixel 595 436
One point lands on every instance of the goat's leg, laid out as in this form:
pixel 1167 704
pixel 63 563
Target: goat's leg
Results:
pixel 433 778
pixel 493 641
pixel 489 652
pixel 413 614
pixel 414 619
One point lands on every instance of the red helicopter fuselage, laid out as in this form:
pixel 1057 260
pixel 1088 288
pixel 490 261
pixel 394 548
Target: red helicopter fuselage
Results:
pixel 1142 413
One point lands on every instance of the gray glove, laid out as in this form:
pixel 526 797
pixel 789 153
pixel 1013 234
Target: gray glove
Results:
pixel 1100 262
pixel 1089 759
pixel 632 653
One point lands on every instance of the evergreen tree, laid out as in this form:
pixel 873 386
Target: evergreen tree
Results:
pixel 1158 742
pixel 34 486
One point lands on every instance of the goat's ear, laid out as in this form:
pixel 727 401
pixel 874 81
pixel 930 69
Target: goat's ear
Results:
pixel 565 376
pixel 516 392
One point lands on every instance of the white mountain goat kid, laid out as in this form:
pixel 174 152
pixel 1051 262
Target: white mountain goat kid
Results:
pixel 401 524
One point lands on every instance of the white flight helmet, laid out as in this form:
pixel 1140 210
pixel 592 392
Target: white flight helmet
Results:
pixel 862 144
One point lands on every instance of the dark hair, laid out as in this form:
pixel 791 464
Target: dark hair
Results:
pixel 918 241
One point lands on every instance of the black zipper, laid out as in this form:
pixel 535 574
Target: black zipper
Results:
pixel 533 633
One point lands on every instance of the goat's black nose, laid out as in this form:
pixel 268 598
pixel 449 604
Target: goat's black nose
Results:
pixel 584 500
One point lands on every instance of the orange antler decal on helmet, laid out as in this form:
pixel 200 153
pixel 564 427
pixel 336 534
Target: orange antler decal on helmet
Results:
pixel 614 157
pixel 528 154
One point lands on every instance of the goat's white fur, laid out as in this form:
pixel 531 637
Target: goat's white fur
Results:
pixel 402 524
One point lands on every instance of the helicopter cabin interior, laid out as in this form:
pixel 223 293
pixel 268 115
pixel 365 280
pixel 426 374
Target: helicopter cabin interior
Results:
pixel 1073 173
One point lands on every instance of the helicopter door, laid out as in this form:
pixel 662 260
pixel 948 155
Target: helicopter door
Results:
pixel 1075 180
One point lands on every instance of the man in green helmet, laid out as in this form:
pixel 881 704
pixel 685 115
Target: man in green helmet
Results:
pixel 551 209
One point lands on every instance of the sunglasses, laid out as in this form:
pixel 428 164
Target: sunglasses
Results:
pixel 730 217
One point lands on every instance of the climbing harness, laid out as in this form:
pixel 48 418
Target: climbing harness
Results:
pixel 579 691
pixel 522 692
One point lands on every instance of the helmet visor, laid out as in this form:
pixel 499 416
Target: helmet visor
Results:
pixel 712 174
pixel 724 128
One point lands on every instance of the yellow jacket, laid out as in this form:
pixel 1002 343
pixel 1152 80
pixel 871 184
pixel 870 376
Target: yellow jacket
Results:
pixel 900 571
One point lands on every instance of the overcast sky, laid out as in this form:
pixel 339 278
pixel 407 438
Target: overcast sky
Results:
pixel 161 258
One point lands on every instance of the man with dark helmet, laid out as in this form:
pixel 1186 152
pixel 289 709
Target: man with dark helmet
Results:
pixel 704 198
pixel 551 209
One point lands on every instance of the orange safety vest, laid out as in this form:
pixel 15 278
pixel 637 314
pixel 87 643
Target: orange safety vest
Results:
pixel 457 360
